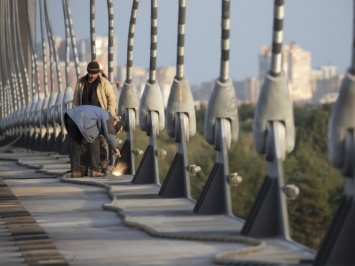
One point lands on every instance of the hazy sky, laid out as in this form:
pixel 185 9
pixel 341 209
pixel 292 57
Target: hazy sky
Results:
pixel 323 27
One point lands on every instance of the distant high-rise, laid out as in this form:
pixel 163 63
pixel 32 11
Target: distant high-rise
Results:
pixel 297 69
pixel 54 83
pixel 165 77
pixel 252 89
pixel 239 88
pixel 84 51
pixel 326 83
pixel 140 76
pixel 247 90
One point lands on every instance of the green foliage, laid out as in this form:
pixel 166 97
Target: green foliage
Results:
pixel 200 119
pixel 312 126
pixel 243 159
pixel 312 211
pixel 246 115
pixel 308 167
pixel 203 155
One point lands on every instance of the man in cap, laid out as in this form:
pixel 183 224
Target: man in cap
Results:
pixel 86 123
pixel 93 89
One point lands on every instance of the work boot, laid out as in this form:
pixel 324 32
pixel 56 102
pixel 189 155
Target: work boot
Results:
pixel 95 173
pixel 108 170
pixel 76 174
pixel 84 170
pixel 86 173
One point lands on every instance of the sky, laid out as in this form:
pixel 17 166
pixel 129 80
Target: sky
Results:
pixel 322 27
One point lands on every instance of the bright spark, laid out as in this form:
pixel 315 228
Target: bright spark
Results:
pixel 119 169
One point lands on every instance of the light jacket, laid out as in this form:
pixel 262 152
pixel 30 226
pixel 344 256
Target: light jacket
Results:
pixel 92 121
pixel 105 94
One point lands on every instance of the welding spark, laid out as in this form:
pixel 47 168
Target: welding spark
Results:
pixel 119 169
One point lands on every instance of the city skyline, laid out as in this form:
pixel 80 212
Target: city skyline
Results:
pixel 322 27
pixel 305 84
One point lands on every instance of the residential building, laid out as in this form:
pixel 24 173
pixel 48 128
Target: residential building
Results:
pixel 297 68
pixel 165 78
pixel 326 83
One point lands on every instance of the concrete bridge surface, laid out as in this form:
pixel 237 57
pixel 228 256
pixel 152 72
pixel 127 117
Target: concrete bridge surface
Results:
pixel 48 218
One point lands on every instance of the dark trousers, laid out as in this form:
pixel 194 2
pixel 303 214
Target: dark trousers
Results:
pixel 75 153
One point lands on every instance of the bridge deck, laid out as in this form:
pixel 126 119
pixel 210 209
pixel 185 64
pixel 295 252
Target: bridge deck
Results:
pixel 109 221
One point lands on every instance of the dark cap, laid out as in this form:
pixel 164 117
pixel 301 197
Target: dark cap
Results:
pixel 93 67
